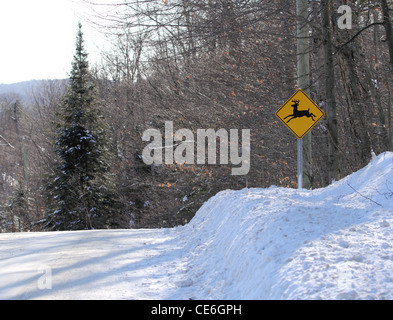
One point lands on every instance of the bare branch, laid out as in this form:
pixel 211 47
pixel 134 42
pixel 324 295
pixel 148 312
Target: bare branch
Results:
pixel 363 195
pixel 358 33
pixel 7 143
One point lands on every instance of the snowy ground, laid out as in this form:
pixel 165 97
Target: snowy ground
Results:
pixel 121 264
pixel 275 243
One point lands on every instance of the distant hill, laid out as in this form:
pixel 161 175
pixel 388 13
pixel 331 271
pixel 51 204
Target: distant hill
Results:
pixel 22 89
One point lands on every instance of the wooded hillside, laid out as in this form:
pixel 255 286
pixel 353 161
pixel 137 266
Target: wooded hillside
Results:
pixel 208 64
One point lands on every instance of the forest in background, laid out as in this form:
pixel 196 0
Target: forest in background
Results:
pixel 207 64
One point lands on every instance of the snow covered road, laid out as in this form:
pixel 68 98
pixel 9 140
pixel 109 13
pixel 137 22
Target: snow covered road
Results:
pixel 274 243
pixel 121 264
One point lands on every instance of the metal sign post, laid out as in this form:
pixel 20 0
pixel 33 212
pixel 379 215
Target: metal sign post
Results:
pixel 300 163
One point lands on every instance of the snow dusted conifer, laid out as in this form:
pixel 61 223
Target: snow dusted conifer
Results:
pixel 81 195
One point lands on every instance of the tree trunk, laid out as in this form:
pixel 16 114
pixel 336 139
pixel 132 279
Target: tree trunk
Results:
pixel 389 39
pixel 389 31
pixel 303 80
pixel 331 107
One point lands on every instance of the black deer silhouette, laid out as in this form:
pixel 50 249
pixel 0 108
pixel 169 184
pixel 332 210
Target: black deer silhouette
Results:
pixel 299 113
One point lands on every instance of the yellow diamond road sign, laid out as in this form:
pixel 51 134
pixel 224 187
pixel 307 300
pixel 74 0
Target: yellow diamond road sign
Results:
pixel 300 114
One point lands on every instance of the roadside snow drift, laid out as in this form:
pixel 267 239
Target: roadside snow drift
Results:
pixel 275 243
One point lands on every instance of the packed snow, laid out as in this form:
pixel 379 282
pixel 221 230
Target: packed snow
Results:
pixel 274 243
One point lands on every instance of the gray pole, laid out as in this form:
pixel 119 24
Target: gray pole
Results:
pixel 303 81
pixel 300 163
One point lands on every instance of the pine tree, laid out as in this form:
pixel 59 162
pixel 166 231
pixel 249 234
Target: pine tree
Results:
pixel 81 194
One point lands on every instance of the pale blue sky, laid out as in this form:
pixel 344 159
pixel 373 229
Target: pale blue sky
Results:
pixel 38 38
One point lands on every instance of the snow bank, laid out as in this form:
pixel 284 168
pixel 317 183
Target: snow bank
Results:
pixel 278 243
pixel 275 243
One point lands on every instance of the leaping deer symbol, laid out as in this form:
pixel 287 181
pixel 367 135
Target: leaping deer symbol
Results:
pixel 299 113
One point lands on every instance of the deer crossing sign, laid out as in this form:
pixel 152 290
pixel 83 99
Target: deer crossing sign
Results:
pixel 300 114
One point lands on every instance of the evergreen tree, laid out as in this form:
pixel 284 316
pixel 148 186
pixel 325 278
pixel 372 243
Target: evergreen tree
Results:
pixel 19 208
pixel 81 193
